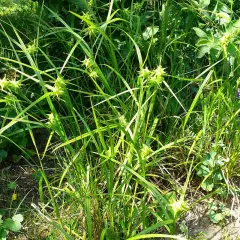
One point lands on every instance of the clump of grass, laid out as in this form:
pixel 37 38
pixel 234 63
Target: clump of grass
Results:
pixel 129 125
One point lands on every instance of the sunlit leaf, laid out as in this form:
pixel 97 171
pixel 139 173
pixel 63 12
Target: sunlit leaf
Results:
pixel 17 218
pixel 207 185
pixel 204 3
pixel 200 32
pixel 215 217
pixel 149 32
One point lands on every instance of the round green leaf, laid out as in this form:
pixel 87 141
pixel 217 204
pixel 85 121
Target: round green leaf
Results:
pixel 203 171
pixel 11 225
pixel 12 185
pixel 216 217
pixel 207 185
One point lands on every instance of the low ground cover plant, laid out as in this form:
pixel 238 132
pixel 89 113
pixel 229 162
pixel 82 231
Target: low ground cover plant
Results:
pixel 10 224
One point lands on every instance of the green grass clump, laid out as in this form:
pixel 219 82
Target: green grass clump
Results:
pixel 137 104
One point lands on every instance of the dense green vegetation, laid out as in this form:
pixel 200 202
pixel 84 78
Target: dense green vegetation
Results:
pixel 133 105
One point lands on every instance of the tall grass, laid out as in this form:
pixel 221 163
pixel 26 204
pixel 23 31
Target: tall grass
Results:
pixel 128 123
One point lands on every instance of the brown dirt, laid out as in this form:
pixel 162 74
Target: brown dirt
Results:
pixel 201 228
